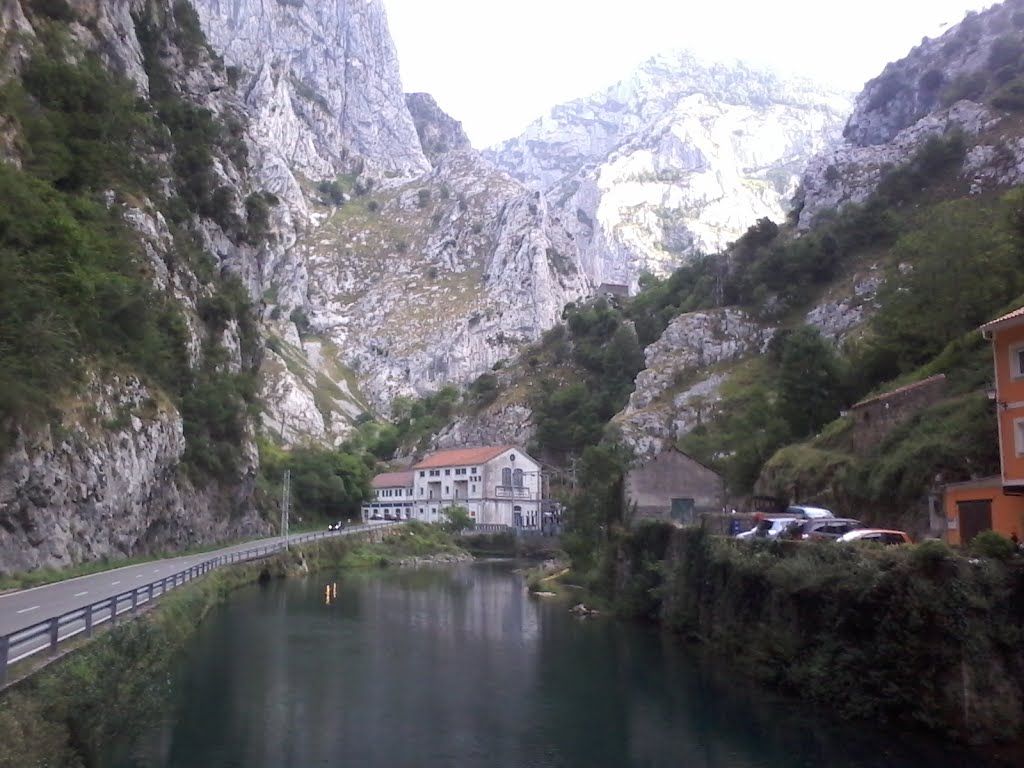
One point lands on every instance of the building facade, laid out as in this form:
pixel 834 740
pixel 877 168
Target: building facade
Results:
pixel 997 503
pixel 672 486
pixel 498 485
pixel 392 497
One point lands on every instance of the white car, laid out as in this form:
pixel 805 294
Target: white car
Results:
pixel 878 536
pixel 779 524
pixel 809 513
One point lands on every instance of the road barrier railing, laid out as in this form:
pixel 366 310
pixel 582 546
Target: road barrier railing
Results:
pixel 48 634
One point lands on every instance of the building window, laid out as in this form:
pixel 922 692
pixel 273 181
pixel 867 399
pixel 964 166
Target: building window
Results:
pixel 506 476
pixel 1017 361
pixel 1018 436
pixel 447 490
pixel 447 473
pixel 422 473
pixel 474 470
pixel 473 488
pixel 517 478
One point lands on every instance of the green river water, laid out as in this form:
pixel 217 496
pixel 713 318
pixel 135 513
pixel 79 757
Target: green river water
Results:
pixel 459 667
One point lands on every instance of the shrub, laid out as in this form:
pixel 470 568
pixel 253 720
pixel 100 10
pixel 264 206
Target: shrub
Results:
pixel 993 545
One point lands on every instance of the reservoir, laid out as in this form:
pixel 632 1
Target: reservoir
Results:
pixel 459 667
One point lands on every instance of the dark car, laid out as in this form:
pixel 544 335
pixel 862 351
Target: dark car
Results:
pixel 336 526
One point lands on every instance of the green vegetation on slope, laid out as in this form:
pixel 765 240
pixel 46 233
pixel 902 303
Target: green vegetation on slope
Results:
pixel 78 291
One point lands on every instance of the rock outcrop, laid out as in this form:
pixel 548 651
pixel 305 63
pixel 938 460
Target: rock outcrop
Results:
pixel 439 133
pixel 683 373
pixel 678 159
pixel 106 482
pixel 965 83
pixel 108 474
pixel 321 83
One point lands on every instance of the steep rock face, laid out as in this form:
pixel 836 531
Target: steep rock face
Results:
pixel 436 280
pixel 679 158
pixel 106 483
pixel 106 476
pixel 683 374
pixel 321 82
pixel 439 133
pixel 966 82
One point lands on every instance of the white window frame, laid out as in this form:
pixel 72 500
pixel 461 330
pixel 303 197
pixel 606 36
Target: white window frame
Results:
pixel 1017 361
pixel 1018 436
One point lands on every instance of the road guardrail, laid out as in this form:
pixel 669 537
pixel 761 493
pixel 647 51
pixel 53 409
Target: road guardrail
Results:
pixel 49 633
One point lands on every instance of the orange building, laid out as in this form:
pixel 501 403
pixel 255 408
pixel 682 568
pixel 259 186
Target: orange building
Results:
pixel 997 503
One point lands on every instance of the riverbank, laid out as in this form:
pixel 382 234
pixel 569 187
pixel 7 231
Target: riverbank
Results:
pixel 113 686
pixel 915 637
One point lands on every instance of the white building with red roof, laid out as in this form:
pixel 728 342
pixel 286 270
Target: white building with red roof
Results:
pixel 392 497
pixel 499 485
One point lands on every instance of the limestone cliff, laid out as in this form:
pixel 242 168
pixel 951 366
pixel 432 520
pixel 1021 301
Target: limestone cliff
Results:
pixel 968 81
pixel 321 82
pixel 679 158
pixel 114 469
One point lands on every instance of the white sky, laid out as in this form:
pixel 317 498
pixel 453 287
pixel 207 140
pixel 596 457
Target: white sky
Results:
pixel 497 66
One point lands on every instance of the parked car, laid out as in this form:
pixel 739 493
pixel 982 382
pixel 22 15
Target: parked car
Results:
pixel 811 513
pixel 877 535
pixel 772 527
pixel 336 526
pixel 828 528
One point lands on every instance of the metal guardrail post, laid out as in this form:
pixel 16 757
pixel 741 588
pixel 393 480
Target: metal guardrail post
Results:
pixel 5 644
pixel 88 621
pixel 113 611
pixel 54 627
pixel 135 600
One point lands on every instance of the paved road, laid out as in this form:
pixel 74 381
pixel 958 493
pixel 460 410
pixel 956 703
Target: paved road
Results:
pixel 22 609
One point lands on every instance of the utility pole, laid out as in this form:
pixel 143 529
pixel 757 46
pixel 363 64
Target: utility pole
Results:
pixel 285 503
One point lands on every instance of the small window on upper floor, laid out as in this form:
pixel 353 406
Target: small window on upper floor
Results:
pixel 422 473
pixel 447 472
pixel 1017 361
pixel 1018 436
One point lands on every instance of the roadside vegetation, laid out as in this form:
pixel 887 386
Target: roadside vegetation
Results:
pixel 113 687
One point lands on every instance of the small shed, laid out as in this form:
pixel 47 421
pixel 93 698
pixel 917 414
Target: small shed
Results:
pixel 672 486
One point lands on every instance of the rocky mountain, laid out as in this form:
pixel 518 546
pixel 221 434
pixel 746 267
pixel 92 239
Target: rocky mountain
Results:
pixel 969 82
pixel 127 366
pixel 320 81
pixel 677 159
pixel 414 262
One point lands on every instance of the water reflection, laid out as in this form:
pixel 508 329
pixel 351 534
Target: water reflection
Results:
pixel 460 668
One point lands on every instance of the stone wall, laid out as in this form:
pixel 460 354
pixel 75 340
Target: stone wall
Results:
pixel 875 418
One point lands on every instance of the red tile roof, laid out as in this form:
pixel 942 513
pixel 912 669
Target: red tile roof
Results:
pixel 461 457
pixel 1017 314
pixel 393 480
pixel 900 391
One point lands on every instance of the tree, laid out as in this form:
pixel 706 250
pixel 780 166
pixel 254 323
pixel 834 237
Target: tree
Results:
pixel 810 386
pixel 459 519
pixel 598 507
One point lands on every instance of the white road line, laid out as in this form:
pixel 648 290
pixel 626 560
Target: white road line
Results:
pixel 114 583
pixel 139 576
pixel 79 594
pixel 26 610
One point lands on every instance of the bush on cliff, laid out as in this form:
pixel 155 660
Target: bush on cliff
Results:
pixel 910 635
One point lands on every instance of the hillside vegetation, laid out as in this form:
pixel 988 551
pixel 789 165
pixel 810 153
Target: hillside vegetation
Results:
pixel 79 292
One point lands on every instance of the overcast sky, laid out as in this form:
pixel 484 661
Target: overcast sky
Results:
pixel 497 66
